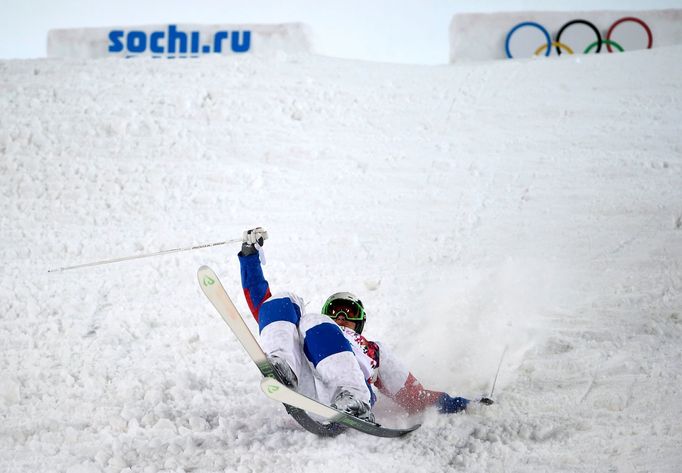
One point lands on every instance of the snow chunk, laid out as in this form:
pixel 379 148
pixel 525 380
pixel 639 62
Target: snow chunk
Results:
pixel 87 467
pixel 372 284
pixel 198 424
pixel 165 425
pixel 118 423
pixel 10 391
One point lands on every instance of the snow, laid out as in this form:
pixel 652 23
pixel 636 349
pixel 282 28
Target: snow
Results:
pixel 533 205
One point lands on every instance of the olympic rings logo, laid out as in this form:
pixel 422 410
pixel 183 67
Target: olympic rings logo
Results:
pixel 596 45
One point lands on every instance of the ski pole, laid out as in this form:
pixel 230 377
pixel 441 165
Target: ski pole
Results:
pixel 158 253
pixel 498 371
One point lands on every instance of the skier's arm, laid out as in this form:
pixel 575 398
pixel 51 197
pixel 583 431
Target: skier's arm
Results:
pixel 256 288
pixel 396 382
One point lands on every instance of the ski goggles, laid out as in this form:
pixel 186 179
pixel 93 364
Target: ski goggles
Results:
pixel 350 310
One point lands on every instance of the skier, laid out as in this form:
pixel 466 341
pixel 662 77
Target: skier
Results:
pixel 324 355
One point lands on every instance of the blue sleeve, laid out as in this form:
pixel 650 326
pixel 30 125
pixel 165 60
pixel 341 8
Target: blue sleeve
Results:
pixel 256 288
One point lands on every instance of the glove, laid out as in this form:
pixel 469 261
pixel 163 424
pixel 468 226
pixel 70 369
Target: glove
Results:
pixel 252 240
pixel 255 235
pixel 486 401
pixel 450 405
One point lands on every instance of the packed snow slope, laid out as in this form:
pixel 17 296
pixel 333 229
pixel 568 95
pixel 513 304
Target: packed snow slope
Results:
pixel 531 205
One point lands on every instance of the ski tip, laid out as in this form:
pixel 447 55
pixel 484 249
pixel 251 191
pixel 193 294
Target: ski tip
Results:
pixel 206 276
pixel 204 271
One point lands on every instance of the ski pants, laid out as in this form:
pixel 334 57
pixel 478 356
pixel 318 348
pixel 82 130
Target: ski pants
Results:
pixel 314 346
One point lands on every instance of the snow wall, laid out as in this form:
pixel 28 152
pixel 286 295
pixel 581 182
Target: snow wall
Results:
pixel 482 36
pixel 178 40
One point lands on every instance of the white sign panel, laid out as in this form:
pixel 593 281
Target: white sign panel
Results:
pixel 485 36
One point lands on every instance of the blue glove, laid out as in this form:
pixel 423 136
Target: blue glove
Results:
pixel 450 405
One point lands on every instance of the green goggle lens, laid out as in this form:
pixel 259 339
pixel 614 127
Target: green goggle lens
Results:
pixel 350 310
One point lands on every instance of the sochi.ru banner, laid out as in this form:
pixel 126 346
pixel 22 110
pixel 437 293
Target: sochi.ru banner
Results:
pixel 174 42
pixel 178 41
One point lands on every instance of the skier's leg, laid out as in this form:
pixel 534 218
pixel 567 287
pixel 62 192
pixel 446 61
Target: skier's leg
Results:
pixel 278 325
pixel 331 355
pixel 278 322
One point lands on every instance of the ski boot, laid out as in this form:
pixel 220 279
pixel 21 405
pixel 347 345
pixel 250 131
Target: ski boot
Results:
pixel 347 402
pixel 283 372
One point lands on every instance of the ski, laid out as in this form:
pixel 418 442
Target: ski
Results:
pixel 279 392
pixel 215 292
pixel 295 403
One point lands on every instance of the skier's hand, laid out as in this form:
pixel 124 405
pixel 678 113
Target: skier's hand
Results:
pixel 479 404
pixel 486 401
pixel 252 240
pixel 449 405
pixel 255 236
